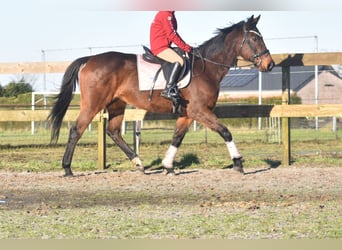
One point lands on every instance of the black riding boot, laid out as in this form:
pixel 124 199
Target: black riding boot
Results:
pixel 171 90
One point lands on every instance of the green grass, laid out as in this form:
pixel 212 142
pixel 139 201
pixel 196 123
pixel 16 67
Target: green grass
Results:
pixel 21 151
pixel 175 221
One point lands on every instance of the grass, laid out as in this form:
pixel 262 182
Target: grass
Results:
pixel 181 221
pixel 267 212
pixel 25 152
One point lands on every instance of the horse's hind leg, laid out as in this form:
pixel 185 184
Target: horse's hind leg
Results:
pixel 69 150
pixel 75 134
pixel 182 126
pixel 116 113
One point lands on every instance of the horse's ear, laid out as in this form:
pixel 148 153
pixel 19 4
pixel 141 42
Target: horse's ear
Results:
pixel 249 20
pixel 256 20
pixel 253 21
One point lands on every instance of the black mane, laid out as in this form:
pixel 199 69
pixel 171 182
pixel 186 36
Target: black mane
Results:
pixel 217 41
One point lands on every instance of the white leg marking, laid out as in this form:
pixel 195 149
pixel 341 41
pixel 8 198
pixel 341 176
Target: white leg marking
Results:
pixel 136 161
pixel 169 157
pixel 233 151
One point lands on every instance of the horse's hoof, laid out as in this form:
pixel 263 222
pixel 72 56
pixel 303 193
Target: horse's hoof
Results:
pixel 68 173
pixel 141 170
pixel 238 169
pixel 138 165
pixel 170 171
pixel 237 166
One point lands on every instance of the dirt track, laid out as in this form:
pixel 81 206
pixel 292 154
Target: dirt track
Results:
pixel 280 203
pixel 198 187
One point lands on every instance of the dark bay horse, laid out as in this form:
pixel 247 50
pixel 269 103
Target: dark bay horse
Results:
pixel 110 81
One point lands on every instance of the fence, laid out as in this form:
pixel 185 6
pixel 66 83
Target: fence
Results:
pixel 224 111
pixel 284 111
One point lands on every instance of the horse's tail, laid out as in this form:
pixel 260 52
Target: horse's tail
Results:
pixel 63 99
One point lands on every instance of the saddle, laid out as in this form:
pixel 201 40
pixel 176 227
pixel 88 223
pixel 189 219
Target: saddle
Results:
pixel 165 65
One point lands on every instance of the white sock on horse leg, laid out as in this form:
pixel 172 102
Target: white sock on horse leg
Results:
pixel 233 151
pixel 170 156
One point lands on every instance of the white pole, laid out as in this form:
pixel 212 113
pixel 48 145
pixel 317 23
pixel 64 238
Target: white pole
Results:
pixel 90 53
pixel 32 107
pixel 334 124
pixel 260 98
pixel 316 94
pixel 316 83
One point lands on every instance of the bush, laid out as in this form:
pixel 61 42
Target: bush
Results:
pixel 16 88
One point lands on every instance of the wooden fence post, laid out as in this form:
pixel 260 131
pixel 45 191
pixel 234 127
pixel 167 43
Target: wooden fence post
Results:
pixel 101 163
pixel 285 121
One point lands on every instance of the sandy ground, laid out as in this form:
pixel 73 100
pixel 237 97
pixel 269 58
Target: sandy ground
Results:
pixel 198 186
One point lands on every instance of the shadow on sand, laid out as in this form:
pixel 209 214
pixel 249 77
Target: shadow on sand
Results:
pixel 155 167
pixel 272 164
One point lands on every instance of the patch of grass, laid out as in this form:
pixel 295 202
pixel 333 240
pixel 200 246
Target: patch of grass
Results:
pixel 174 221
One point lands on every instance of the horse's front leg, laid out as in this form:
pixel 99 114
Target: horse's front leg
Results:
pixel 232 149
pixel 114 132
pixel 182 126
pixel 209 119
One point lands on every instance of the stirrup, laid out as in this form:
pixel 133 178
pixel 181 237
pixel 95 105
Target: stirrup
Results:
pixel 170 93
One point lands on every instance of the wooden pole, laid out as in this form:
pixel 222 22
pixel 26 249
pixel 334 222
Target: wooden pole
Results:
pixel 285 121
pixel 226 111
pixel 101 163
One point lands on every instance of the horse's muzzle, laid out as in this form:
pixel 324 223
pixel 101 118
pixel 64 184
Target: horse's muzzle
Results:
pixel 267 64
pixel 270 66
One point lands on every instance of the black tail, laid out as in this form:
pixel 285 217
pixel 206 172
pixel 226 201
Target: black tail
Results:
pixel 63 99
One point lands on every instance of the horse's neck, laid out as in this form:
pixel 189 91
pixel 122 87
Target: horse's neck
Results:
pixel 225 60
pixel 230 52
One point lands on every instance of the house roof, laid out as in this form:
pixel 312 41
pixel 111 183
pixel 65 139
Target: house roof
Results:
pixel 248 79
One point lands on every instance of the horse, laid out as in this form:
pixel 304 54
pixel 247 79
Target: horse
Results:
pixel 109 81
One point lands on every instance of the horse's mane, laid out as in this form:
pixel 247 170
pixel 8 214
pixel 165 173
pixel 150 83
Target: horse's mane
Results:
pixel 217 41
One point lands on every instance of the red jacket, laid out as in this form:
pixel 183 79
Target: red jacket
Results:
pixel 163 32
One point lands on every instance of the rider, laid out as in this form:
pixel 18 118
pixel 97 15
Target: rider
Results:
pixel 163 33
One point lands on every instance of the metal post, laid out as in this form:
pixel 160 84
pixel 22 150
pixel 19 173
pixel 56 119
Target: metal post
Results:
pixel 316 94
pixel 136 136
pixel 44 75
pixel 260 98
pixel 32 107
pixel 334 124
pixel 316 83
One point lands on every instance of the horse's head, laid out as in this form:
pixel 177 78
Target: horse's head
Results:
pixel 253 48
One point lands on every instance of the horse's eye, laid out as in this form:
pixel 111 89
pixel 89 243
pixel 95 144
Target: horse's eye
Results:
pixel 255 38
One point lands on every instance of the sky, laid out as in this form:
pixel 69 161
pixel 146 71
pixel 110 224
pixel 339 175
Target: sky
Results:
pixel 62 30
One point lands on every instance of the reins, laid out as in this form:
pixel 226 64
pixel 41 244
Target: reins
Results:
pixel 196 53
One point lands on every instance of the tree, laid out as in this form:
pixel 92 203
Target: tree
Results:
pixel 15 88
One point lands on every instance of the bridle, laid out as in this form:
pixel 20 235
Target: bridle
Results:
pixel 256 55
pixel 253 59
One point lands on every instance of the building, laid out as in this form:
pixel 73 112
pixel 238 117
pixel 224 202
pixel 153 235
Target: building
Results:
pixel 242 83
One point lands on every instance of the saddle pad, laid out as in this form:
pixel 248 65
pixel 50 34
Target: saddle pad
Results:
pixel 147 72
